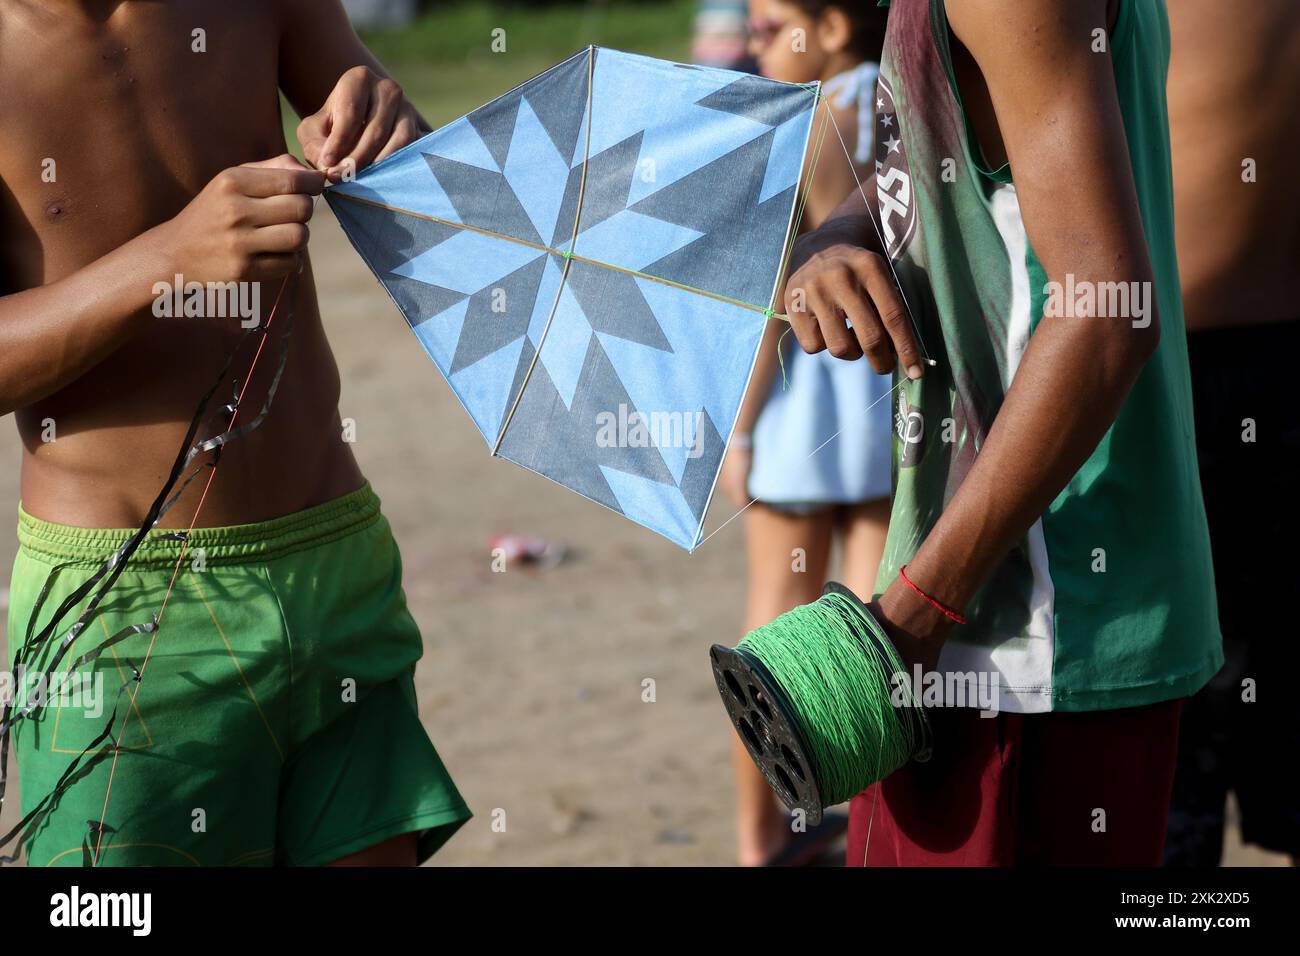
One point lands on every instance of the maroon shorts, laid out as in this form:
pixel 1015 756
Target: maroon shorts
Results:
pixel 1058 789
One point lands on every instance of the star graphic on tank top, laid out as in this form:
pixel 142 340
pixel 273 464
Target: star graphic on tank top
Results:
pixel 886 120
pixel 880 103
pixel 892 143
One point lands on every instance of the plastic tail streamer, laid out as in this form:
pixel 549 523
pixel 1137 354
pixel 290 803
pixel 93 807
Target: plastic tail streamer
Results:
pixel 38 659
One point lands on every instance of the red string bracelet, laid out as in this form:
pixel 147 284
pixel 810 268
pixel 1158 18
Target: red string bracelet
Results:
pixel 949 613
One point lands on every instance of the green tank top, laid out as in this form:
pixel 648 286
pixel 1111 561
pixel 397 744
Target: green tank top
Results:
pixel 1109 600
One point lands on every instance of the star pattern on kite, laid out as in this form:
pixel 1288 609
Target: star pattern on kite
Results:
pixel 604 237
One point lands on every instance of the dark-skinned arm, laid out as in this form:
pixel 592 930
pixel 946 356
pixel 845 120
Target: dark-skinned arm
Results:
pixel 1059 117
pixel 53 334
pixel 248 224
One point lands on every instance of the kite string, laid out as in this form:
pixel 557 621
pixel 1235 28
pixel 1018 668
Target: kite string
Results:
pixel 847 689
pixel 180 558
pixel 884 247
pixel 874 403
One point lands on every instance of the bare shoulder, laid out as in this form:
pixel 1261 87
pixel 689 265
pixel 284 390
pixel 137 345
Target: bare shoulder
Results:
pixel 1036 31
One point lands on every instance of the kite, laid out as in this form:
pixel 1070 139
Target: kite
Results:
pixel 590 260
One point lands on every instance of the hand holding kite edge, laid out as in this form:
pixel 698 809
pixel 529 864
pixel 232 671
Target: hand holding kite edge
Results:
pixel 366 118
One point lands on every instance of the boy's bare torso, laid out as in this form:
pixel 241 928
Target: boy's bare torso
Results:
pixel 137 123
pixel 1234 95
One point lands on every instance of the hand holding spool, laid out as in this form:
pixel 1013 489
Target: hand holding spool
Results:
pixel 814 697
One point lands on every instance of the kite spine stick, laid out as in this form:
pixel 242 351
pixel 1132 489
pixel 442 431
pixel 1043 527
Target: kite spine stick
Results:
pixel 797 207
pixel 568 258
pixel 660 280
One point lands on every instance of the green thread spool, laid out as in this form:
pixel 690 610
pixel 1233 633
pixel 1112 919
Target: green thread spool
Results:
pixel 811 695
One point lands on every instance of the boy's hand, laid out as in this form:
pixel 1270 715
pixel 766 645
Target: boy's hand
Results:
pixel 365 119
pixel 917 631
pixel 247 225
pixel 843 298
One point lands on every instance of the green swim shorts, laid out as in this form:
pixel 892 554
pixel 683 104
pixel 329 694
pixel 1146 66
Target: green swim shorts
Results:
pixel 276 719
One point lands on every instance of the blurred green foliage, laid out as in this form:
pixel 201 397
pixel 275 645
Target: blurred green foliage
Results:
pixel 445 61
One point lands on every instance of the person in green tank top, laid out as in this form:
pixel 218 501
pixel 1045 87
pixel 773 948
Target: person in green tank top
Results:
pixel 1015 264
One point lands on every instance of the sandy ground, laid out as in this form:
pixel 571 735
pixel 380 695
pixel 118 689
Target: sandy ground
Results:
pixel 532 681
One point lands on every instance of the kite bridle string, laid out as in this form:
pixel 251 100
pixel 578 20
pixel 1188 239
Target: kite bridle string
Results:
pixel 901 293
pixel 568 257
pixel 880 237
pixel 180 558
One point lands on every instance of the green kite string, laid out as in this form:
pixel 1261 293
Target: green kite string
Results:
pixel 836 669
pixel 780 358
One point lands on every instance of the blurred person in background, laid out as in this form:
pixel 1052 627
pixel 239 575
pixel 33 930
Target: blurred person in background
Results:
pixel 813 444
pixel 721 39
pixel 1234 113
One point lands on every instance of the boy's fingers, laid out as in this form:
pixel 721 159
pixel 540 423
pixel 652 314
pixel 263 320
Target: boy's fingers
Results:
pixel 406 131
pixel 274 266
pixel 893 316
pixel 277 209
pixel 348 106
pixel 378 125
pixel 282 238
pixel 840 340
pixel 312 134
pixel 804 325
pixel 261 182
pixel 283 161
pixel 867 328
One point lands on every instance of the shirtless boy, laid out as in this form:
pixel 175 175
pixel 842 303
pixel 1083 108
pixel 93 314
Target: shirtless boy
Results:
pixel 1234 120
pixel 275 720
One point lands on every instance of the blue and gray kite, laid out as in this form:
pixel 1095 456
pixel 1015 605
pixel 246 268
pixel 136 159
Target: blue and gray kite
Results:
pixel 590 261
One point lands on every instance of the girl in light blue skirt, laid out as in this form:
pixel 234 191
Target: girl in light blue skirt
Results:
pixel 815 449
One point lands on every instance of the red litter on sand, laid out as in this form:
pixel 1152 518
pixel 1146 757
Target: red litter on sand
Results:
pixel 525 549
